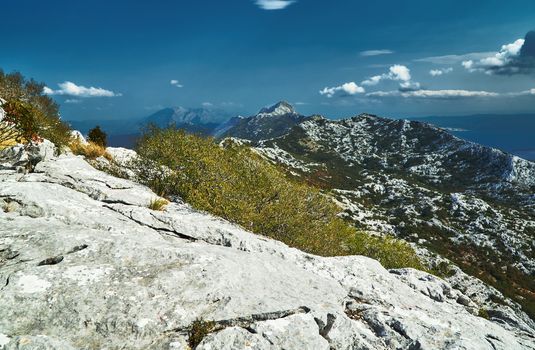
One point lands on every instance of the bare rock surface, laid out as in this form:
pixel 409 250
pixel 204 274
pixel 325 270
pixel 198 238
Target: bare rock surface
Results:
pixel 84 264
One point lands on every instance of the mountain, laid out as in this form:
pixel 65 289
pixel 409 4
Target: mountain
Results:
pixel 270 122
pixel 196 120
pixel 124 133
pixel 471 204
pixel 86 264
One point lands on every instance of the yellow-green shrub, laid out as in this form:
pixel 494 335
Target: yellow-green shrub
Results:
pixel 89 150
pixel 25 99
pixel 158 204
pixel 237 184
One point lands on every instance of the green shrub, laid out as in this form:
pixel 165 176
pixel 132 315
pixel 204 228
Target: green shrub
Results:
pixel 19 124
pixel 198 330
pixel 25 99
pixel 237 184
pixel 158 204
pixel 390 252
pixel 97 136
pixel 483 313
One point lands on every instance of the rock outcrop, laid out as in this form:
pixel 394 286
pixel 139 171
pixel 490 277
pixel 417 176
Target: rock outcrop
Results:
pixel 85 264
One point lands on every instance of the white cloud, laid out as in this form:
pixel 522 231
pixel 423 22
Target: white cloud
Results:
pixel 399 72
pixel 440 71
pixel 73 100
pixel 207 104
pixel 443 94
pixel 274 4
pixel 502 62
pixel 368 53
pixel 176 83
pixel 396 72
pixel 373 80
pixel 350 88
pixel 453 59
pixel 409 86
pixel 71 89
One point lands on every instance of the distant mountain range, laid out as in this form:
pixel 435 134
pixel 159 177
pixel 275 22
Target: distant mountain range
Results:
pixel 511 133
pixel 122 133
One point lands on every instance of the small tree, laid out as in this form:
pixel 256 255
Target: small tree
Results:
pixel 19 122
pixel 97 136
pixel 31 114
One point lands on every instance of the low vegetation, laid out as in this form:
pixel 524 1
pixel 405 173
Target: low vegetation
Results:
pixel 237 184
pixel 97 136
pixel 198 330
pixel 30 114
pixel 89 150
pixel 158 204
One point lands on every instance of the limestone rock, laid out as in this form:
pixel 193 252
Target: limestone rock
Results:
pixel 85 264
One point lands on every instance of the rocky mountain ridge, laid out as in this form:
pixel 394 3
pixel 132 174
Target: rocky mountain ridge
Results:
pixel 85 264
pixel 472 204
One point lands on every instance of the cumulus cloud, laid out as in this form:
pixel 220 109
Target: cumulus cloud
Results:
pixel 439 72
pixel 409 86
pixel 176 83
pixel 396 73
pixel 346 89
pixel 369 53
pixel 71 89
pixel 207 104
pixel 448 94
pixel 274 4
pixel 517 57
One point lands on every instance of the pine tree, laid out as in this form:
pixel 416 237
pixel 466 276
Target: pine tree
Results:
pixel 97 136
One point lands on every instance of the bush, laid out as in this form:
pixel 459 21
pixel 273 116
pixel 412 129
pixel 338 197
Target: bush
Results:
pixel 198 330
pixel 158 204
pixel 89 150
pixel 19 123
pixel 97 136
pixel 237 184
pixel 39 113
pixel 390 252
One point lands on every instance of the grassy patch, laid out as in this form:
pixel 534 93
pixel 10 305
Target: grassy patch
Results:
pixel 89 150
pixel 158 204
pixel 237 184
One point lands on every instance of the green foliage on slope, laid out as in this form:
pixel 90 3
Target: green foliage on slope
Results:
pixel 26 103
pixel 237 184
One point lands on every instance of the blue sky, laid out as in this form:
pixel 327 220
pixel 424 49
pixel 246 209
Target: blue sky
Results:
pixel 339 57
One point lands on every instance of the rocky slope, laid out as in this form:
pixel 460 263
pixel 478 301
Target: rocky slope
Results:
pixel 471 204
pixel 84 264
pixel 270 122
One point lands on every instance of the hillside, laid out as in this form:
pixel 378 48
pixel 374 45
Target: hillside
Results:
pixel 105 271
pixel 471 204
pixel 270 122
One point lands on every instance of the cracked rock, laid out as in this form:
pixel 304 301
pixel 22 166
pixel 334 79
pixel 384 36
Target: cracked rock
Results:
pixel 130 280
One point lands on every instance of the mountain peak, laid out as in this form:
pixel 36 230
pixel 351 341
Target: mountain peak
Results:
pixel 280 108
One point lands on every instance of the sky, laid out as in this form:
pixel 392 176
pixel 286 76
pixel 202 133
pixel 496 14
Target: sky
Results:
pixel 124 59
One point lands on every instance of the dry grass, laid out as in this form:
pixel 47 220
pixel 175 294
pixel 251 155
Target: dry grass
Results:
pixel 7 143
pixel 89 150
pixel 158 204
